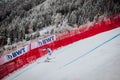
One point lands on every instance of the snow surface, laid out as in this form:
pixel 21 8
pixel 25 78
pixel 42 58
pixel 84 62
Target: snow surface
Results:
pixel 94 58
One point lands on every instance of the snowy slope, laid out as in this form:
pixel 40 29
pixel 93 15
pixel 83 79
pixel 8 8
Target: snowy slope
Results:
pixel 94 58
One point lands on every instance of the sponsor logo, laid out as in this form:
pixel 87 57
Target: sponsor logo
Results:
pixel 46 40
pixel 15 54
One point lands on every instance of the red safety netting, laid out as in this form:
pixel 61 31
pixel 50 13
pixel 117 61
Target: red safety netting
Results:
pixel 62 40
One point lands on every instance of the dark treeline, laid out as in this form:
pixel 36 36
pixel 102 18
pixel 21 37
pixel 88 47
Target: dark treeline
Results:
pixel 20 17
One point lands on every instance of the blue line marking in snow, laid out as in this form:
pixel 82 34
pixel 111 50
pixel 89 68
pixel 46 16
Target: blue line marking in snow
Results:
pixel 28 67
pixel 91 50
pixel 72 60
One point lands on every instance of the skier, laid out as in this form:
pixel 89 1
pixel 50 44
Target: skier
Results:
pixel 49 51
pixel 49 54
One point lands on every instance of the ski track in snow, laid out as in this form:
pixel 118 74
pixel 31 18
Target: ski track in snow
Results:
pixel 94 58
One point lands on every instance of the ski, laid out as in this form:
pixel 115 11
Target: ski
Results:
pixel 47 60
